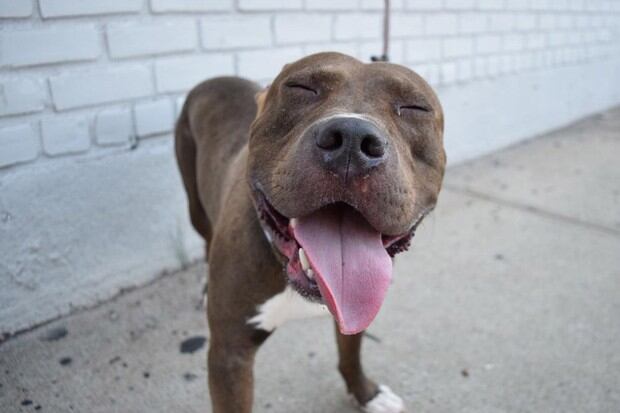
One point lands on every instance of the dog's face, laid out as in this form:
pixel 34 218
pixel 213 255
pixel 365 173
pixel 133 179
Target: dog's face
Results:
pixel 345 160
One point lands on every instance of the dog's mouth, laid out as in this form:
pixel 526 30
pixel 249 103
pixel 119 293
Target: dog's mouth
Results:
pixel 334 256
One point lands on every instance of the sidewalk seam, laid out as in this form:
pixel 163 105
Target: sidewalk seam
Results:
pixel 534 210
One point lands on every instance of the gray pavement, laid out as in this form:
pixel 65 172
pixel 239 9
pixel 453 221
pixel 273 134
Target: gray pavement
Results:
pixel 509 301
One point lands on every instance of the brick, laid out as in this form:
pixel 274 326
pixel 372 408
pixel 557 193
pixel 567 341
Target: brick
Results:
pixel 331 4
pixel 379 4
pixel 66 8
pixel 507 64
pixel 429 72
pixel 448 72
pixel 566 21
pixel 524 62
pixel 518 4
pixel 480 67
pixel 547 21
pixel 113 126
pixel 166 6
pixel 18 144
pixel 457 47
pixel 127 40
pixel 536 40
pixel 15 8
pixel 358 26
pixel 266 64
pixel 490 43
pixel 350 48
pixel 514 42
pixel 49 45
pixel 502 22
pixel 464 70
pixel 460 4
pixel 75 89
pixel 491 4
pixel 21 95
pixel 493 65
pixel 406 25
pixel 423 50
pixel 417 5
pixel 557 39
pixel 235 31
pixel 182 73
pixel 472 22
pixel 64 135
pixel 526 22
pixel 270 4
pixel 302 28
pixel 153 118
pixel 441 24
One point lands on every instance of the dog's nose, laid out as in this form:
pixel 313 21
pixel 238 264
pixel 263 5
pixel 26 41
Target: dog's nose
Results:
pixel 350 146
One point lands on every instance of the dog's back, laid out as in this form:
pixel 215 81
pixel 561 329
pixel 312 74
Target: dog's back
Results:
pixel 212 129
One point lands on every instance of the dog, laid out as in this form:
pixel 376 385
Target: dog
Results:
pixel 303 192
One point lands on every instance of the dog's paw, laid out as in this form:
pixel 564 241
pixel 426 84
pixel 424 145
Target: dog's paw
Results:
pixel 384 402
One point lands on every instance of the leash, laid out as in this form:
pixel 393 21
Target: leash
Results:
pixel 386 35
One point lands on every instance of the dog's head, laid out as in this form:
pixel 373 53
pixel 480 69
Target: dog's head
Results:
pixel 346 159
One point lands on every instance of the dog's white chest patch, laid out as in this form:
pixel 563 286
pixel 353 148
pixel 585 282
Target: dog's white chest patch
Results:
pixel 285 306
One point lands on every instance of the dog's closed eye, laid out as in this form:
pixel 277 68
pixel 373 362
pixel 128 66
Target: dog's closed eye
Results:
pixel 301 87
pixel 417 108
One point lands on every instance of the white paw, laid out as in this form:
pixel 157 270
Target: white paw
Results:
pixel 384 402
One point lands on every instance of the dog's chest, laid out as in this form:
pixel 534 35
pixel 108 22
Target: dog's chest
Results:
pixel 285 306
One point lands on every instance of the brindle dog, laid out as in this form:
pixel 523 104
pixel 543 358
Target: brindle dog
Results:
pixel 303 192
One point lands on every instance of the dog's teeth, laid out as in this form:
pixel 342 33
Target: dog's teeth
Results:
pixel 305 265
pixel 293 222
pixel 310 273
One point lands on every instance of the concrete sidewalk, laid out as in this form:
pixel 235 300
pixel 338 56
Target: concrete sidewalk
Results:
pixel 509 301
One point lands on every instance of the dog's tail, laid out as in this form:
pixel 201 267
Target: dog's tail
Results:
pixel 185 148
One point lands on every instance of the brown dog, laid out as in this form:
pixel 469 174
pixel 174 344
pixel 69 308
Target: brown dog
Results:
pixel 303 193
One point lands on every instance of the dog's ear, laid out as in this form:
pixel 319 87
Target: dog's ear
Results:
pixel 260 97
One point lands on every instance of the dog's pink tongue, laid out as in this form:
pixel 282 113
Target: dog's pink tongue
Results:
pixel 352 268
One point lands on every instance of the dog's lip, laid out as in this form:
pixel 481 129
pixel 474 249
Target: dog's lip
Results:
pixel 276 228
pixel 279 224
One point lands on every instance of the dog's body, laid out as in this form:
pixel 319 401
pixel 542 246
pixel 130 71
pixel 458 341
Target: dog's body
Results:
pixel 322 145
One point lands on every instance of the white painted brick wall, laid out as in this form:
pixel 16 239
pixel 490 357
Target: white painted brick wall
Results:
pixel 15 8
pixel 18 144
pixel 153 118
pixel 225 32
pixel 64 135
pixel 302 28
pixel 270 4
pixel 114 126
pixel 84 88
pixel 265 64
pixel 179 74
pixel 21 95
pixel 331 4
pixel 105 57
pixel 165 6
pixel 67 8
pixel 81 78
pixel 131 40
pixel 60 44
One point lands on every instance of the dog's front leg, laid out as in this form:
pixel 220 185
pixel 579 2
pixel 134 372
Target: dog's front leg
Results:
pixel 350 367
pixel 231 381
pixel 372 398
pixel 232 346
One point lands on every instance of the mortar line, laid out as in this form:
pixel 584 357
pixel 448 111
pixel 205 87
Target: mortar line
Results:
pixel 534 210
